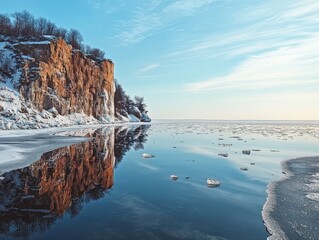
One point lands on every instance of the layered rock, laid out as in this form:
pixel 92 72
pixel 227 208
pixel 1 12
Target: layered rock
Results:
pixel 46 78
pixel 46 83
pixel 57 77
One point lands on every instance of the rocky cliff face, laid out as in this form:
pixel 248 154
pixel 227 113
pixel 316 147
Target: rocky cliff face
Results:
pixel 43 80
pixel 46 83
pixel 54 76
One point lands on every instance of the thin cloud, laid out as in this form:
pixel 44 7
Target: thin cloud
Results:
pixel 105 5
pixel 302 9
pixel 154 17
pixel 275 52
pixel 149 76
pixel 139 28
pixel 295 65
pixel 186 6
pixel 148 68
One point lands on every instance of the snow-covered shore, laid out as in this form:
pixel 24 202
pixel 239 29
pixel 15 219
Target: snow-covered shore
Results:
pixel 291 209
pixel 13 118
pixel 19 148
pixel 20 152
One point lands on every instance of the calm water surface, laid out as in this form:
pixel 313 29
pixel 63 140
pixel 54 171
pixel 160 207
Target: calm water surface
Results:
pixel 104 189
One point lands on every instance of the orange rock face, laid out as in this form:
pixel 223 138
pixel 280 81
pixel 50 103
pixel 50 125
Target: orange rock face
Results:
pixel 62 175
pixel 76 169
pixel 57 76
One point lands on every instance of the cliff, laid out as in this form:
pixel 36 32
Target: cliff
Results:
pixel 57 77
pixel 46 83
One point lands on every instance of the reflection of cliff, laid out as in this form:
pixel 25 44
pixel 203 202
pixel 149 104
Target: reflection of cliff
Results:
pixel 126 138
pixel 63 179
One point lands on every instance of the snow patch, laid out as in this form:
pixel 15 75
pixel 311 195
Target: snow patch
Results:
pixel 9 72
pixel 145 118
pixel 15 115
pixel 48 37
pixel 132 118
pixel 9 101
pixel 53 111
pixel 33 43
pixel 313 196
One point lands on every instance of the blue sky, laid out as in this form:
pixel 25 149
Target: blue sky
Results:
pixel 203 59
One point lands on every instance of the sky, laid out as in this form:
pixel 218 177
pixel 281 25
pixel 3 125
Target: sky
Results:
pixel 203 59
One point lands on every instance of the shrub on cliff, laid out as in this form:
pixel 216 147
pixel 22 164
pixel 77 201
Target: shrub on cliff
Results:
pixel 139 103
pixel 5 25
pixel 74 38
pixel 24 25
pixel 94 52
pixel 119 99
pixel 124 105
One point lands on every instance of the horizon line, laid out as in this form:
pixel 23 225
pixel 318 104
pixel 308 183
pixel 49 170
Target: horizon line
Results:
pixel 209 119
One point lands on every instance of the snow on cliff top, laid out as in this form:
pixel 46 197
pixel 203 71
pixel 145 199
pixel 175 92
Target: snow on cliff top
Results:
pixel 32 43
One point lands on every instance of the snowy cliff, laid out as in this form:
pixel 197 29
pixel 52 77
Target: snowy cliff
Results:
pixel 46 83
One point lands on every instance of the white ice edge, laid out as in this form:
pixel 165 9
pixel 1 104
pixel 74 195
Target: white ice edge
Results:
pixel 276 233
pixel 14 157
pixel 60 130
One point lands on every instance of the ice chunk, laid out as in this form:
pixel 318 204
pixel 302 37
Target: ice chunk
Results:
pixel 145 117
pixel 223 154
pixel 247 152
pixel 313 196
pixel 212 183
pixel 173 177
pixel 146 155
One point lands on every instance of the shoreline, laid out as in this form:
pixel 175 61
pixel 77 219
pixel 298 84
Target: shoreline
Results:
pixel 272 227
pixel 280 212
pixel 20 148
pixel 53 130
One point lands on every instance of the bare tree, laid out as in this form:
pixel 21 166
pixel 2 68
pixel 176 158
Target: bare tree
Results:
pixel 97 53
pixel 60 32
pixel 139 103
pixel 129 104
pixel 88 49
pixel 24 24
pixel 74 38
pixel 40 26
pixel 5 25
pixel 17 24
pixel 82 47
pixel 119 98
pixel 50 28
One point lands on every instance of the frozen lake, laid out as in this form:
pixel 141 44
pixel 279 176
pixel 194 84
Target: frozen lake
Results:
pixel 104 189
